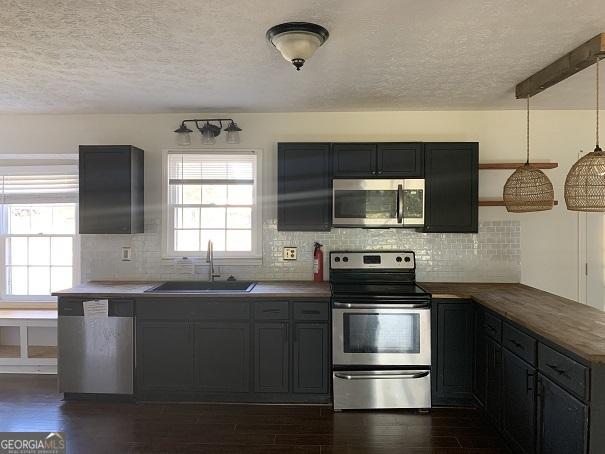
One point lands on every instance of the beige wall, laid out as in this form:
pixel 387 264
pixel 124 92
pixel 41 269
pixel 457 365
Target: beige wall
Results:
pixel 549 241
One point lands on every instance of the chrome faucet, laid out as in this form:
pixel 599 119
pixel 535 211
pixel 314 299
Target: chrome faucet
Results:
pixel 210 260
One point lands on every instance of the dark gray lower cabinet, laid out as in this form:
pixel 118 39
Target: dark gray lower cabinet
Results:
pixel 271 357
pixel 493 379
pixel 518 402
pixel 222 356
pixel 164 356
pixel 452 352
pixel 311 358
pixel 562 419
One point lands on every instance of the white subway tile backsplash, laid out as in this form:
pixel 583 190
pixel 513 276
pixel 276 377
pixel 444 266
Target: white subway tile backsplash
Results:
pixel 492 255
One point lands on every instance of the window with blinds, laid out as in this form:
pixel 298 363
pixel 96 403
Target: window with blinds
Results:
pixel 212 197
pixel 38 227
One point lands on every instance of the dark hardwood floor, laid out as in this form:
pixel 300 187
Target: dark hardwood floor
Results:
pixel 31 403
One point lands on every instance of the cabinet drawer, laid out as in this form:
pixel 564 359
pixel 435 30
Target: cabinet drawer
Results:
pixel 565 371
pixel 519 343
pixel 493 327
pixel 312 311
pixel 271 310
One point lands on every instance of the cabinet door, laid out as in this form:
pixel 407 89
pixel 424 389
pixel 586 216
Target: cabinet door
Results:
pixel 105 197
pixel 493 394
pixel 271 351
pixel 164 356
pixel 222 354
pixel 562 420
pixel 354 160
pixel 518 402
pixel 405 160
pixel 304 187
pixel 451 172
pixel 480 357
pixel 452 352
pixel 311 358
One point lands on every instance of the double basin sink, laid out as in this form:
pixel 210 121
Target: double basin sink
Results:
pixel 203 287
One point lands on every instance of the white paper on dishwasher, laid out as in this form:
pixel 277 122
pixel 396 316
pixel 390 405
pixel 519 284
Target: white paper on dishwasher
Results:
pixel 96 308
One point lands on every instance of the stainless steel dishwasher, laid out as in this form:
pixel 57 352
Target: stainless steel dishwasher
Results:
pixel 96 354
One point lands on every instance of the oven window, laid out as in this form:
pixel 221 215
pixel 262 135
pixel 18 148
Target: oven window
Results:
pixel 381 333
pixel 413 204
pixel 359 204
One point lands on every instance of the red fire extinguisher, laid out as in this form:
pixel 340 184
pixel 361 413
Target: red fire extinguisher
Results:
pixel 318 263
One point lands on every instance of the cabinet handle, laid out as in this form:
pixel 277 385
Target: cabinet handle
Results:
pixel 557 369
pixel 491 328
pixel 516 344
pixel 380 172
pixel 286 335
pixel 310 312
pixel 373 172
pixel 529 381
pixel 271 311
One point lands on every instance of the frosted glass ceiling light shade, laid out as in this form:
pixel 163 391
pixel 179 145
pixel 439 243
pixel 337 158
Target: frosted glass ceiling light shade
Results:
pixel 585 182
pixel 297 41
pixel 528 189
pixel 209 133
pixel 233 133
pixel 183 135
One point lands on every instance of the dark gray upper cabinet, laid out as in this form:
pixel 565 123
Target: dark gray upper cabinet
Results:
pixel 378 160
pixel 452 352
pixel 222 356
pixel 452 187
pixel 562 420
pixel 271 357
pixel 111 189
pixel 164 356
pixel 304 187
pixel 518 402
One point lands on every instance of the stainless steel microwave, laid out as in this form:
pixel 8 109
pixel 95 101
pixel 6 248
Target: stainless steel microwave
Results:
pixel 378 203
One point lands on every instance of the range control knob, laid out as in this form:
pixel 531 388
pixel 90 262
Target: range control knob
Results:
pixel 407 259
pixel 337 259
pixel 345 259
pixel 398 259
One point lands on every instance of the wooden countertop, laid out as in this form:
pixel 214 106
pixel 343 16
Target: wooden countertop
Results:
pixel 574 326
pixel 267 289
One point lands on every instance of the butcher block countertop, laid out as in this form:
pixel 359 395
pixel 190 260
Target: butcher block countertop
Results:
pixel 273 289
pixel 574 326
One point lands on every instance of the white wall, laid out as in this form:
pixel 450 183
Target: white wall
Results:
pixel 549 240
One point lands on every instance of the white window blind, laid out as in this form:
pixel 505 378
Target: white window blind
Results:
pixel 212 197
pixel 50 184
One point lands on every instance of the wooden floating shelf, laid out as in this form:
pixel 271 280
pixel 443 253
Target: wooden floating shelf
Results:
pixel 514 165
pixel 497 203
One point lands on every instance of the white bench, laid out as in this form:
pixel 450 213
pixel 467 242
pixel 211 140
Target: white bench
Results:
pixel 25 351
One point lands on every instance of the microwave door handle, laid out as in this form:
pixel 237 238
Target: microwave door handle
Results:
pixel 400 204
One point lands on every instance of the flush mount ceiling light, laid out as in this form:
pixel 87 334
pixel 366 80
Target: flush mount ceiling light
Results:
pixel 528 189
pixel 585 182
pixel 209 131
pixel 297 41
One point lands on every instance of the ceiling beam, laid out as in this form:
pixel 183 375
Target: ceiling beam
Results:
pixel 566 66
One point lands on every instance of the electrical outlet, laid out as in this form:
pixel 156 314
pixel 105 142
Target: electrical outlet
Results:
pixel 126 254
pixel 289 253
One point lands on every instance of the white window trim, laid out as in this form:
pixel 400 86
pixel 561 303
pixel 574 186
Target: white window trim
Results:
pixel 256 257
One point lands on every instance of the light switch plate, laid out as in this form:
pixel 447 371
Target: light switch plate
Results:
pixel 126 254
pixel 289 253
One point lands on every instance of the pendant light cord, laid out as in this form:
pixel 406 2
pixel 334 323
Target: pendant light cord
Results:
pixel 598 148
pixel 527 161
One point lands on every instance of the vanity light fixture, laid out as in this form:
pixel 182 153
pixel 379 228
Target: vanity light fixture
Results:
pixel 297 41
pixel 585 182
pixel 209 130
pixel 528 189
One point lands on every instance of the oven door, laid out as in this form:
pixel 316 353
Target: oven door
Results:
pixel 381 335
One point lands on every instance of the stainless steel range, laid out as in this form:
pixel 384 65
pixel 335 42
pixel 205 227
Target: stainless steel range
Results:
pixel 381 331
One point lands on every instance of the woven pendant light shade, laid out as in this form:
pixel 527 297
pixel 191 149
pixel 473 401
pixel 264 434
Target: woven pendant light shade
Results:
pixel 585 183
pixel 528 189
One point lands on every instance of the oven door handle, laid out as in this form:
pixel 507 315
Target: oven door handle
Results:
pixel 400 204
pixel 381 375
pixel 338 305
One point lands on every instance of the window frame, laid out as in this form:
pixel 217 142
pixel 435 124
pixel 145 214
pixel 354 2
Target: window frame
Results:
pixel 221 258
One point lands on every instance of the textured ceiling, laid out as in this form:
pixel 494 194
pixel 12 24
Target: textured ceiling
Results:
pixel 197 55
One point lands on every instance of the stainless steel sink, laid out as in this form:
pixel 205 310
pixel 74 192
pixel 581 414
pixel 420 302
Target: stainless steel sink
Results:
pixel 202 287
